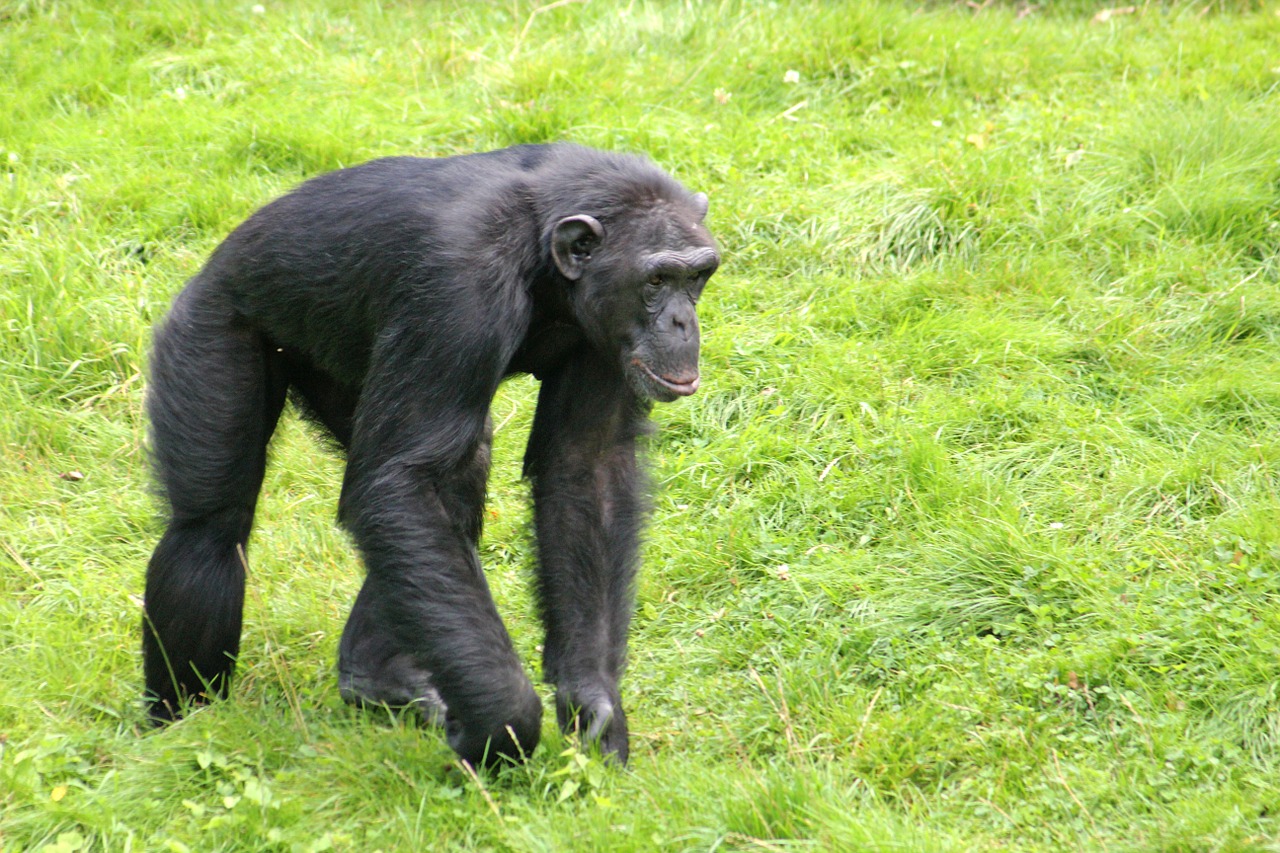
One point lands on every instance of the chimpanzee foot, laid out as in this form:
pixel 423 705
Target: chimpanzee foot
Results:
pixel 596 716
pixel 398 683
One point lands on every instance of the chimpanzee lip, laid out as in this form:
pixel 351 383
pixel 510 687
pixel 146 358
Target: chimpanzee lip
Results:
pixel 681 388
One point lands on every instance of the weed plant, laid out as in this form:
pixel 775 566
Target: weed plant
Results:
pixel 971 540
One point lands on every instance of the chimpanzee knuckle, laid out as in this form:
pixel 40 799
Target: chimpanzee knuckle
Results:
pixel 570 701
pixel 594 715
pixel 469 745
pixel 615 741
pixel 512 738
pixel 605 727
pixel 599 719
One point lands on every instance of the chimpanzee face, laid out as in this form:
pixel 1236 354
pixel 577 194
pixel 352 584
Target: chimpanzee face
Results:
pixel 636 285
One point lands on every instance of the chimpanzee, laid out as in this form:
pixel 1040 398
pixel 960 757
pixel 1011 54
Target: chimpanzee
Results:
pixel 389 300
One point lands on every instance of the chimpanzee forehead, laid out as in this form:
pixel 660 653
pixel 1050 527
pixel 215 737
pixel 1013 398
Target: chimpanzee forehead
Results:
pixel 674 226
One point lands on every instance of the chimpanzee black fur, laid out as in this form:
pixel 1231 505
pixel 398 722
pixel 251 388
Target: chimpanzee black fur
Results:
pixel 391 299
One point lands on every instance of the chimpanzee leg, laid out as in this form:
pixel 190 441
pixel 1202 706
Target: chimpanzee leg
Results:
pixel 588 509
pixel 412 498
pixel 214 396
pixel 373 667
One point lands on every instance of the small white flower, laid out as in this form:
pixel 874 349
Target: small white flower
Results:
pixel 1057 525
pixel 258 9
pixel 792 76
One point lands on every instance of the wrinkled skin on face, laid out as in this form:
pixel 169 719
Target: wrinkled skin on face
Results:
pixel 636 286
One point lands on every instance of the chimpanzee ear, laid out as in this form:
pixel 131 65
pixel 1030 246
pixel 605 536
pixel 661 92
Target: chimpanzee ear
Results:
pixel 572 241
pixel 701 204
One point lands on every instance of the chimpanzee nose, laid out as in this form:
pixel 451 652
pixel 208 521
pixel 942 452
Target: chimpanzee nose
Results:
pixel 681 321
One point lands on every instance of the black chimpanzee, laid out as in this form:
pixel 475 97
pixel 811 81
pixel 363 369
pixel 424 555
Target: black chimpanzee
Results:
pixel 392 298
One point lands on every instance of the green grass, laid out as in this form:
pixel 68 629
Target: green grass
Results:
pixel 971 540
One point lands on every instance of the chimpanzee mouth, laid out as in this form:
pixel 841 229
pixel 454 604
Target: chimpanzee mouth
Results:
pixel 681 388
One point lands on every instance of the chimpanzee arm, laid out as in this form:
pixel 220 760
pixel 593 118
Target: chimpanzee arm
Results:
pixel 588 506
pixel 412 498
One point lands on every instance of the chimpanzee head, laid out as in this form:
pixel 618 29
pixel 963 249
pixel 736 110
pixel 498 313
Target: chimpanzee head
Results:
pixel 635 278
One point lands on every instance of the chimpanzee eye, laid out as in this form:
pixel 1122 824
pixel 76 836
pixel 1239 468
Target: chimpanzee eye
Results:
pixel 656 281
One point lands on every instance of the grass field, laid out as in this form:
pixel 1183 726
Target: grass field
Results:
pixel 970 541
